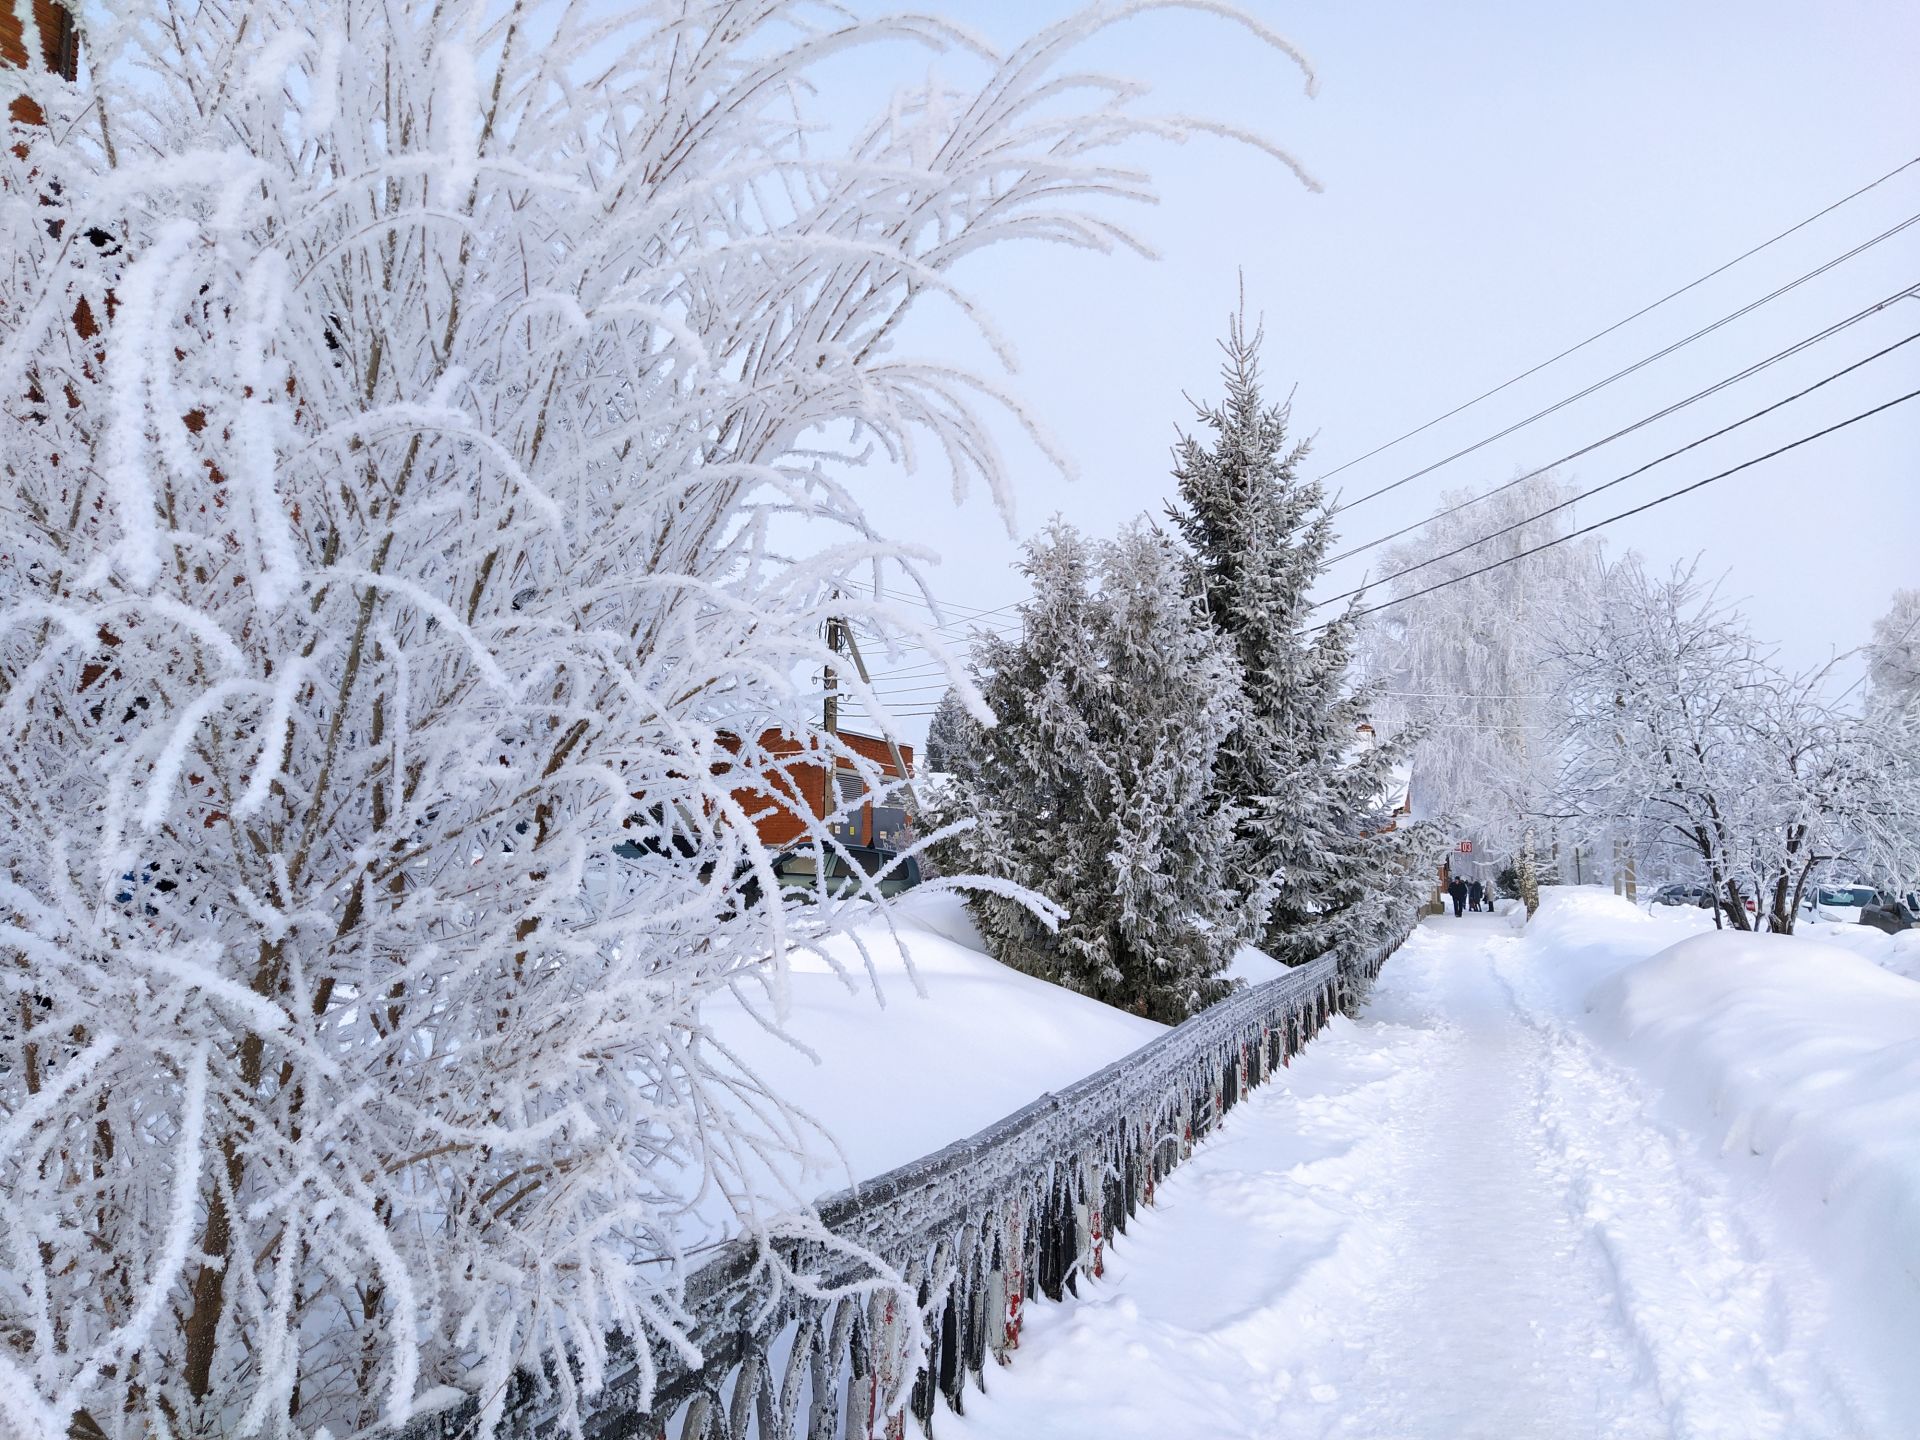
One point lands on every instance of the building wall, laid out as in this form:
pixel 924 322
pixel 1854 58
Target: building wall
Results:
pixel 792 788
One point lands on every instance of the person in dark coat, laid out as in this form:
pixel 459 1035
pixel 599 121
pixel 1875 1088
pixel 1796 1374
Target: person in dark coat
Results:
pixel 1475 892
pixel 1457 888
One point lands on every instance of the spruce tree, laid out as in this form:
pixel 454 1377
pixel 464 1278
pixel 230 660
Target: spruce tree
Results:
pixel 949 732
pixel 1312 860
pixel 1093 789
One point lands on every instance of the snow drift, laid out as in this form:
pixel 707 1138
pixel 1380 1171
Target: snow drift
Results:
pixel 955 1041
pixel 1803 1060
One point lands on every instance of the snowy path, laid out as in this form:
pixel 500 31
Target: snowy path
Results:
pixel 1455 1218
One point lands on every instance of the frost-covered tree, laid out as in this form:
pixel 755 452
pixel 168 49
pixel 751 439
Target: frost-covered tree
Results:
pixel 1893 657
pixel 1677 720
pixel 399 400
pixel 1314 858
pixel 1466 659
pixel 1093 787
pixel 951 732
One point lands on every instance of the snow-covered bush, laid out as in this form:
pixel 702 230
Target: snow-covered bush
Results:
pixel 407 412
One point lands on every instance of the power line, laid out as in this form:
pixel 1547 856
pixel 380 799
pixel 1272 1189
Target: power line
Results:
pixel 1643 310
pixel 1639 364
pixel 1622 479
pixel 1658 415
pixel 1625 514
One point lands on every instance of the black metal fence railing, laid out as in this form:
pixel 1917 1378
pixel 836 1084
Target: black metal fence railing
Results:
pixel 1023 1208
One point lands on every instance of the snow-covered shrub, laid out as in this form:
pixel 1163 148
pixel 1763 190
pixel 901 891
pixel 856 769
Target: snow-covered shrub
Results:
pixel 410 411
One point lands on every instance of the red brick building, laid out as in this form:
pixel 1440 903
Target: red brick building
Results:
pixel 59 49
pixel 800 781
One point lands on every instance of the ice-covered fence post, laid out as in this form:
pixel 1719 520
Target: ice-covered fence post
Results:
pixel 1086 1215
pixel 870 1396
pixel 746 1389
pixel 1006 1285
pixel 698 1424
pixel 830 1344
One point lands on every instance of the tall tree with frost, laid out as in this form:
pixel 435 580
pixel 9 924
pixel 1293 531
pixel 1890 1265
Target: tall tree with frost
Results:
pixel 397 400
pixel 1466 660
pixel 949 733
pixel 1313 860
pixel 1893 656
pixel 1093 788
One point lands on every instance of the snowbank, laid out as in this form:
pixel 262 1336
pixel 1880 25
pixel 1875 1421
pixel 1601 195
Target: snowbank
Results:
pixel 1898 953
pixel 1803 1059
pixel 913 1069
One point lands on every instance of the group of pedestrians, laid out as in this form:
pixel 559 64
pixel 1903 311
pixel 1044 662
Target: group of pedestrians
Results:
pixel 1468 895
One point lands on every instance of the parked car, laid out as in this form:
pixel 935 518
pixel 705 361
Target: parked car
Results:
pixel 1839 903
pixel 1680 895
pixel 797 872
pixel 1892 913
pixel 1706 901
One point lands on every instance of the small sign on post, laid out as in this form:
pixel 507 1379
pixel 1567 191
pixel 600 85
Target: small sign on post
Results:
pixel 1465 847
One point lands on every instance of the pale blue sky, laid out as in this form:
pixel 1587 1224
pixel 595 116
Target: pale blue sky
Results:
pixel 1501 181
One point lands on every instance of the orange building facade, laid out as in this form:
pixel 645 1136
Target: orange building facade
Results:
pixel 801 782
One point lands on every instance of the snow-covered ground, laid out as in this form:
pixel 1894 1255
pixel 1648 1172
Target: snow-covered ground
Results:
pixel 1550 1185
pixel 905 1068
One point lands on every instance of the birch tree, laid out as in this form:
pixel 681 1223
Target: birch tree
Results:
pixel 1678 719
pixel 1468 664
pixel 406 409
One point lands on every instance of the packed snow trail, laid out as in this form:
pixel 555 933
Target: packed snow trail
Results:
pixel 1457 1219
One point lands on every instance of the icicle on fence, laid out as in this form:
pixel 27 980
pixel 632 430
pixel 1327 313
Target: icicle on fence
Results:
pixel 1023 1209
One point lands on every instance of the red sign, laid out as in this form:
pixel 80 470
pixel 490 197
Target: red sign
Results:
pixel 1465 847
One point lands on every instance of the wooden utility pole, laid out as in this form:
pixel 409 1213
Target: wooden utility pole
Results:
pixel 830 708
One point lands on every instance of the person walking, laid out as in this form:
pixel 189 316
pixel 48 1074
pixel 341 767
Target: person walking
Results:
pixel 1475 893
pixel 1457 889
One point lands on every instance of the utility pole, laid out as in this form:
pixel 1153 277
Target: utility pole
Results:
pixel 830 708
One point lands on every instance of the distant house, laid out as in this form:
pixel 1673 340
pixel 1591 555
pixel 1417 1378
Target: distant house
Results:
pixel 799 779
pixel 59 49
pixel 59 53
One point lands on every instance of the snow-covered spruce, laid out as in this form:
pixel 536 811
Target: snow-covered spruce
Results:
pixel 1313 861
pixel 402 403
pixel 1094 786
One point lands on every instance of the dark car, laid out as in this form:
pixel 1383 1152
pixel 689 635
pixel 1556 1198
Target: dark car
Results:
pixel 798 874
pixel 1892 913
pixel 1680 895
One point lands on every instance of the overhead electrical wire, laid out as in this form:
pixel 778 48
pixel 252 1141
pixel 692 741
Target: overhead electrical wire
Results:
pixel 950 615
pixel 1637 365
pixel 1624 514
pixel 1755 368
pixel 1628 320
pixel 1620 479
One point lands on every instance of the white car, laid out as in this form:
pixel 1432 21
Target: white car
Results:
pixel 1838 903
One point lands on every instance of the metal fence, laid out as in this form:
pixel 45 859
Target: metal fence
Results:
pixel 1024 1208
